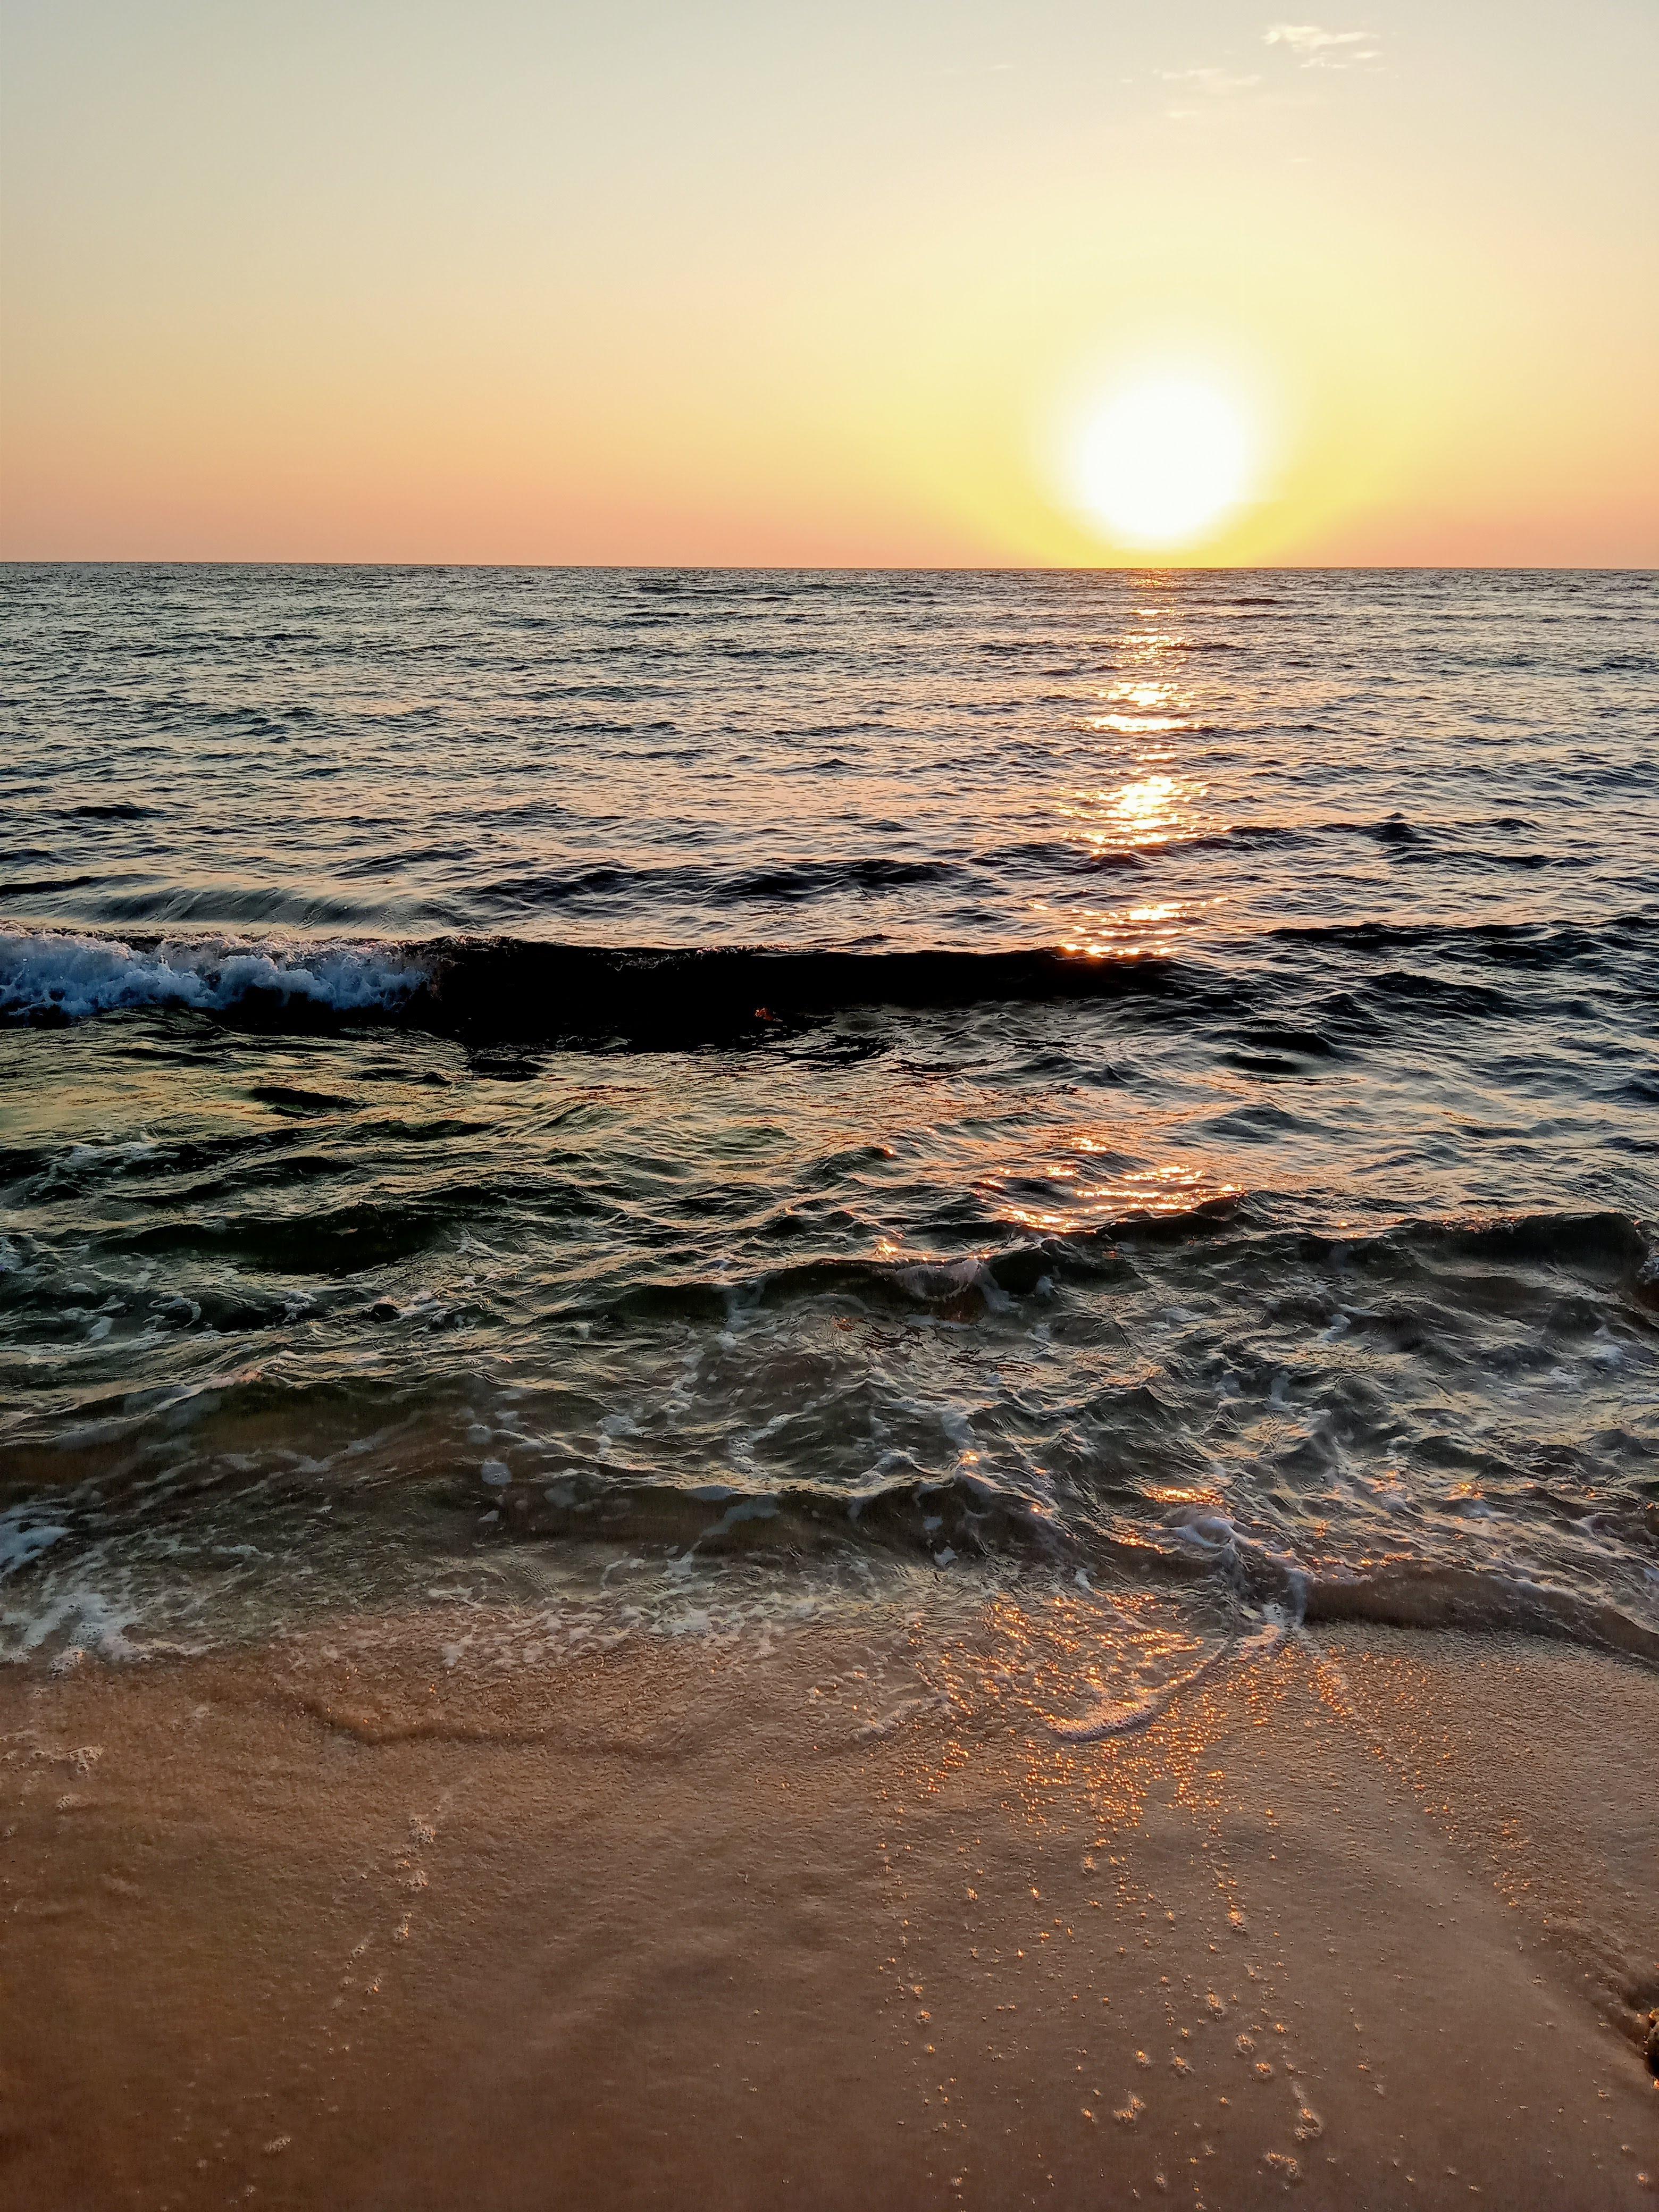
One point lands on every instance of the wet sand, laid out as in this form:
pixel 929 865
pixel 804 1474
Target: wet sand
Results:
pixel 1375 1923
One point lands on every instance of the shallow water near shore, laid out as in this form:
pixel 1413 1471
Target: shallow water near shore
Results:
pixel 668 1103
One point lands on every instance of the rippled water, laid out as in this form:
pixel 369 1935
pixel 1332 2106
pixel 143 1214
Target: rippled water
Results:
pixel 560 1080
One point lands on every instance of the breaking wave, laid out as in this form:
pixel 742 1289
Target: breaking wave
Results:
pixel 513 987
pixel 49 975
pixel 508 986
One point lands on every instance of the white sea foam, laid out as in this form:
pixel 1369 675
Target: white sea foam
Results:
pixel 1125 1716
pixel 57 972
pixel 25 1533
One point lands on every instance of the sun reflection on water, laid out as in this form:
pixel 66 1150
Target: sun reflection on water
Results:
pixel 1148 712
pixel 1149 932
pixel 1142 708
pixel 1146 811
pixel 1090 1183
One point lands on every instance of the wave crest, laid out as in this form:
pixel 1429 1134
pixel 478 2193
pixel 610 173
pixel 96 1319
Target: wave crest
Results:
pixel 57 977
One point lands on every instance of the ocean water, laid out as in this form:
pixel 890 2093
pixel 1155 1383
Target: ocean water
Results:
pixel 659 1097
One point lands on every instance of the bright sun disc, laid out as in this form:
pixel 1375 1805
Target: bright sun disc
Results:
pixel 1164 460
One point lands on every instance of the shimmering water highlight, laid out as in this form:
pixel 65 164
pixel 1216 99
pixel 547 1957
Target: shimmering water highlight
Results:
pixel 610 1074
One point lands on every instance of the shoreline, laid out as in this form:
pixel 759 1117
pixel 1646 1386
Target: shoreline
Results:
pixel 826 1919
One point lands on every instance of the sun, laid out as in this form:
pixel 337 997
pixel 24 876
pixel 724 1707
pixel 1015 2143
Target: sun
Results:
pixel 1164 460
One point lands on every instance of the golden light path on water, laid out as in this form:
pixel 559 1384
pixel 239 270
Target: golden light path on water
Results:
pixel 1101 1174
pixel 1154 805
pixel 1091 1183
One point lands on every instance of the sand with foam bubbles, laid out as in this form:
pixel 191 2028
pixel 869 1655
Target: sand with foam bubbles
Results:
pixel 838 1921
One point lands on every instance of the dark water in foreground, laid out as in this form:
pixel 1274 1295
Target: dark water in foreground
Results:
pixel 661 1095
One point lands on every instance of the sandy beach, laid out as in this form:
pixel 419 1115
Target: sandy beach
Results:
pixel 841 1922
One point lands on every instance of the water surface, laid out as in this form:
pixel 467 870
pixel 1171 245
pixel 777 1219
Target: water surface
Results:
pixel 636 1085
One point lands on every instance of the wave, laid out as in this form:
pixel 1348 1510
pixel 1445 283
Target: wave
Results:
pixel 505 987
pixel 1411 1594
pixel 1562 939
pixel 964 1514
pixel 1609 1247
pixel 1391 830
pixel 527 989
pixel 1397 1592
pixel 1405 1594
pixel 49 976
pixel 785 881
pixel 1623 663
pixel 1618 947
pixel 517 988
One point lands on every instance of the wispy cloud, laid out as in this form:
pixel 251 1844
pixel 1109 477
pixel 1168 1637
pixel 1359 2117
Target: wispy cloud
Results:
pixel 1315 48
pixel 1217 83
pixel 1206 86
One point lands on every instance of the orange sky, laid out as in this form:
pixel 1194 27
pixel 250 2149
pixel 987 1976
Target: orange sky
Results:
pixel 381 280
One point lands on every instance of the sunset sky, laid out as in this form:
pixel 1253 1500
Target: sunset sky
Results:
pixel 883 282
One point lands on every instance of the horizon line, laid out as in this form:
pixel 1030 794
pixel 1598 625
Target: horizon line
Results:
pixel 872 567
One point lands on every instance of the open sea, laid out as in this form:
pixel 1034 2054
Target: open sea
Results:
pixel 655 1101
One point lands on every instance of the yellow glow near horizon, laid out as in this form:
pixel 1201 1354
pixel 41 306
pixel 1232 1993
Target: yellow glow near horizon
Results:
pixel 1100 286
pixel 1166 459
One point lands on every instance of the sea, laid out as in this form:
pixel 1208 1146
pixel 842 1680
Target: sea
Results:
pixel 630 1102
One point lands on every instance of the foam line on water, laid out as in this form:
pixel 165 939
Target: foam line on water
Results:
pixel 1213 1541
pixel 1125 1716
